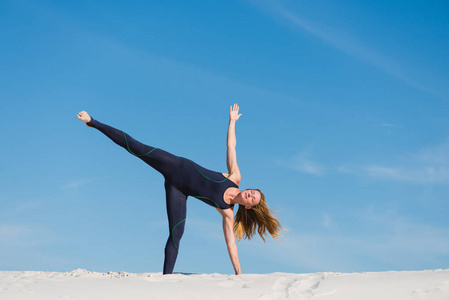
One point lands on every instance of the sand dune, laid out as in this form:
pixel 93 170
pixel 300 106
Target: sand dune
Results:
pixel 82 284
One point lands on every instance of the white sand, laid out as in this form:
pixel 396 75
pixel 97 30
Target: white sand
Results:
pixel 82 284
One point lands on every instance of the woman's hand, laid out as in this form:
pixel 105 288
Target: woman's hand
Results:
pixel 234 113
pixel 83 116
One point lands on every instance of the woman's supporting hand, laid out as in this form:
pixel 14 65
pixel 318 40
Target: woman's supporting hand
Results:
pixel 234 113
pixel 83 116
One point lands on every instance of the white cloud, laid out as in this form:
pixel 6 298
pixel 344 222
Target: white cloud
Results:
pixel 426 174
pixel 301 162
pixel 22 235
pixel 437 155
pixel 327 221
pixel 8 231
pixel 19 207
pixel 77 183
pixel 405 238
pixel 428 165
pixel 345 169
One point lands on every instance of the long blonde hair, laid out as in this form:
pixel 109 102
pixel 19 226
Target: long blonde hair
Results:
pixel 259 218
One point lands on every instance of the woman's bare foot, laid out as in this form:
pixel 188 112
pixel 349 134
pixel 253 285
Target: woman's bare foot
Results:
pixel 84 116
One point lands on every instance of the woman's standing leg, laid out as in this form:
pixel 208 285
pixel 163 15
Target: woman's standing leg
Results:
pixel 176 212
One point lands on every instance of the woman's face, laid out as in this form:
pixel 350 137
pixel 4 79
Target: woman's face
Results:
pixel 250 198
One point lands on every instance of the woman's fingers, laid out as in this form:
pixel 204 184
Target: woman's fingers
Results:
pixel 83 116
pixel 234 111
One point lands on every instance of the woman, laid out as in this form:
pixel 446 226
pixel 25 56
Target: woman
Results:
pixel 185 178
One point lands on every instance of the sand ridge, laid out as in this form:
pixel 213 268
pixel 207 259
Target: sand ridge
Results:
pixel 83 284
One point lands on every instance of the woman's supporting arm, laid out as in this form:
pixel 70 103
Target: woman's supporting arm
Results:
pixel 228 230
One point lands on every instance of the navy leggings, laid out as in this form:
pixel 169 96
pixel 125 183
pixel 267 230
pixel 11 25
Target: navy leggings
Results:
pixel 166 164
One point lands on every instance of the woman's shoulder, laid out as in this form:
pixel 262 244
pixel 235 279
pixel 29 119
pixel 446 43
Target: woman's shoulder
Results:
pixel 227 213
pixel 233 177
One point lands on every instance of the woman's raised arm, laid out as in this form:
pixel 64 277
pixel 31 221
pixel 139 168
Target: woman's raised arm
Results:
pixel 231 154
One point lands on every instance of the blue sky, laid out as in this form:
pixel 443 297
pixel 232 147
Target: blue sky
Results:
pixel 345 128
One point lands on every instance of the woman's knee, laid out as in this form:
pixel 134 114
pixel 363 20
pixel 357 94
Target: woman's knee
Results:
pixel 176 234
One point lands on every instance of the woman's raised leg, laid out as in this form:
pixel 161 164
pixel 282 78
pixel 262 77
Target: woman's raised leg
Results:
pixel 160 160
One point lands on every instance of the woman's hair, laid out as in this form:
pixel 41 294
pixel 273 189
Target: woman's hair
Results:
pixel 259 218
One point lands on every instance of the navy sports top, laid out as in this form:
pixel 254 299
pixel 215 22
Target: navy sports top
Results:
pixel 201 183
